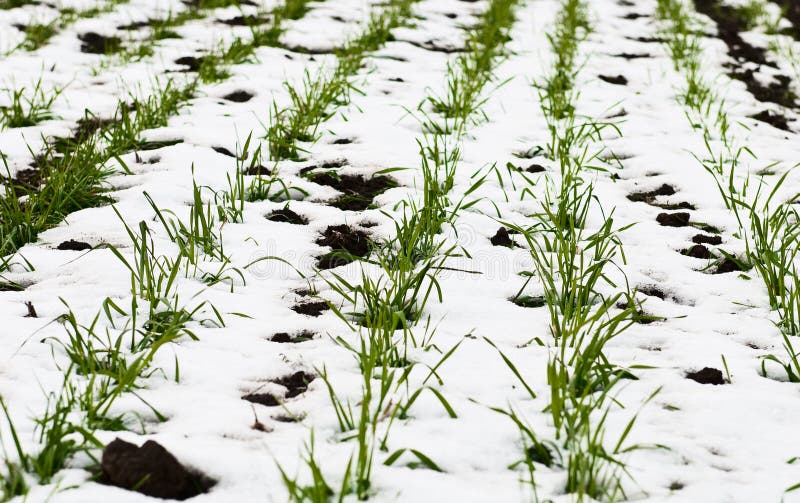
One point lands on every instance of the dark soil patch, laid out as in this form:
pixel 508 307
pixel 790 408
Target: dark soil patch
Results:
pixel 705 239
pixel 87 126
pixel 296 383
pixel 244 21
pixel 634 15
pixel 772 118
pixel 342 141
pixel 224 151
pixel 618 80
pixel 649 197
pixel 530 301
pixel 730 23
pixel 501 238
pixel 434 46
pixel 258 171
pixel 673 219
pixel 536 168
pixel 630 55
pixel 347 244
pixel 707 376
pixel 94 43
pixel 358 190
pixel 74 245
pixel 31 311
pixel 239 96
pixel 193 63
pixel 311 308
pixel 727 265
pixel 791 10
pixel 150 470
pixel 286 338
pixel 698 251
pixel 652 291
pixel 157 144
pixel 265 399
pixel 287 216
pixel 27 179
pixel 136 25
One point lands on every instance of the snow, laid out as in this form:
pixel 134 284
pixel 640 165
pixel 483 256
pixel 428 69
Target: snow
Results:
pixel 722 443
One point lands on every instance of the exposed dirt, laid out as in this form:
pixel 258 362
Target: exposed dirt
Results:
pixel 87 126
pixel 74 245
pixel 296 383
pixel 706 239
pixel 707 376
pixel 530 301
pixel 224 151
pixel 652 291
pixel 285 337
pixel 239 96
pixel 346 243
pixel 288 216
pixel 31 311
pixel 150 470
pixel 502 238
pixel 94 43
pixel 536 168
pixel 698 251
pixel 730 23
pixel 618 80
pixel 629 55
pixel 358 190
pixel 193 63
pixel 244 20
pixel 727 265
pixel 773 118
pixel 680 219
pixel 649 197
pixel 314 309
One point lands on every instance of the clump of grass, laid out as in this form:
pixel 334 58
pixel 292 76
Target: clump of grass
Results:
pixel 28 107
pixel 313 97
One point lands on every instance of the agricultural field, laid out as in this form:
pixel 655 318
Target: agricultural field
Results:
pixel 399 250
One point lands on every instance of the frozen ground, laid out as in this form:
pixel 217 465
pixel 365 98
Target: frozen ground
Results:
pixel 726 443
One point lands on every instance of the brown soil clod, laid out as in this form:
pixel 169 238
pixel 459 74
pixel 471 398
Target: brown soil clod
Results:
pixel 705 239
pixel 287 216
pixel 629 55
pixel 730 24
pixel 296 383
pixel 707 375
pixel 74 245
pixel 287 338
pixel 239 96
pixel 224 151
pixel 502 238
pixel 193 63
pixel 680 219
pixel 618 80
pixel 150 470
pixel 536 168
pixel 94 43
pixel 772 118
pixel 347 244
pixel 358 191
pixel 652 291
pixel 244 21
pixel 727 265
pixel 649 196
pixel 313 309
pixel 698 251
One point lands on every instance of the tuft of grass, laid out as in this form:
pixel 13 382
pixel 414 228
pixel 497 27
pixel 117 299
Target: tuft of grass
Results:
pixel 28 107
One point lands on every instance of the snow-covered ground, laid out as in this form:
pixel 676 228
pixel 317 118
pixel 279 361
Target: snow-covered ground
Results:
pixel 724 443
